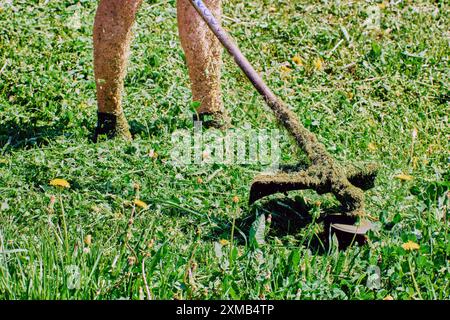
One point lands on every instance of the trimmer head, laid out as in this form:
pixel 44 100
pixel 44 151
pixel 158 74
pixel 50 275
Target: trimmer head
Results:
pixel 318 180
pixel 345 227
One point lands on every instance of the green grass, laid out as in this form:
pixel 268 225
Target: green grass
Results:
pixel 375 89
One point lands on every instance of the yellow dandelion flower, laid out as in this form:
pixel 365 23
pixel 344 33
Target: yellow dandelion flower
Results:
pixel 372 147
pixel 297 60
pixel 403 177
pixel 318 64
pixel 388 297
pixel 224 242
pixel 349 95
pixel 382 6
pixel 235 199
pixel 60 183
pixel 140 204
pixel 88 239
pixel 409 246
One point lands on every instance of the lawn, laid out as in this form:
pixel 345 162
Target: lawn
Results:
pixel 371 94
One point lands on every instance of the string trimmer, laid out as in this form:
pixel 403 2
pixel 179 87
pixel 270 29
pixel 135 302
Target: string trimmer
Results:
pixel 324 174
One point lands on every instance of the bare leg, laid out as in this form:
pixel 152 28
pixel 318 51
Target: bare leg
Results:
pixel 204 59
pixel 112 37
